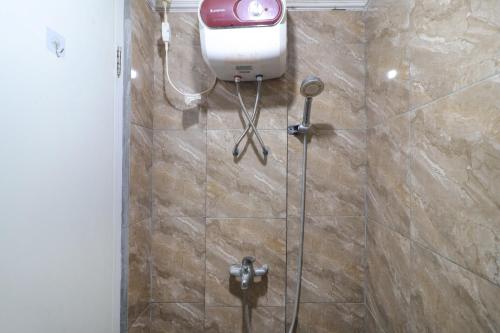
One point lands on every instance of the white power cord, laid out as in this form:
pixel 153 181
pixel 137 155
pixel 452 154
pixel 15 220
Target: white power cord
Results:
pixel 165 33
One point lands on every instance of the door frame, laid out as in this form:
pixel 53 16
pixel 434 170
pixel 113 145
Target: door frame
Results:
pixel 120 161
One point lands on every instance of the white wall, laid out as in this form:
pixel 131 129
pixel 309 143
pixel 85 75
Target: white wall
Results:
pixel 58 218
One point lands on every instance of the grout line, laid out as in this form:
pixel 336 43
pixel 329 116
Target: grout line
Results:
pixel 150 314
pixel 367 6
pixel 141 126
pixel 378 326
pixel 239 306
pixel 390 228
pixel 178 302
pixel 205 223
pixel 259 306
pixel 152 216
pixel 328 302
pixel 146 308
pixel 351 9
pixel 274 218
pixel 246 218
pixel 393 117
pixel 187 130
pixel 287 166
pixel 426 247
pixel 151 219
pixel 429 249
pixel 410 210
pixel 365 249
pixel 455 92
pixel 366 180
pixel 437 100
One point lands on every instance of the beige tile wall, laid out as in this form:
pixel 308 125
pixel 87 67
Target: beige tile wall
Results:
pixel 432 193
pixel 210 209
pixel 433 165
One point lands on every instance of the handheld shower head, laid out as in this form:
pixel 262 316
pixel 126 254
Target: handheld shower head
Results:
pixel 311 86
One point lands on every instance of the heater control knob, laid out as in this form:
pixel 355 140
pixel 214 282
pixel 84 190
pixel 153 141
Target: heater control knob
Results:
pixel 255 8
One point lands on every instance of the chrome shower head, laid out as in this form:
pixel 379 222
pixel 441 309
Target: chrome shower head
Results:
pixel 311 86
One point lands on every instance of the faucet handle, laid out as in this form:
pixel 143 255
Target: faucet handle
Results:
pixel 248 260
pixel 235 270
pixel 261 271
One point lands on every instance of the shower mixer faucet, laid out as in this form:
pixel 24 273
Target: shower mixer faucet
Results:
pixel 246 272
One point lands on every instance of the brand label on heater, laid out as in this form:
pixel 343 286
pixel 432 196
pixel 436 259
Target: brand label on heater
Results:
pixel 244 68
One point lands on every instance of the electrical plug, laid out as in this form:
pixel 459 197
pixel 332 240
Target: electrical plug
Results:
pixel 165 32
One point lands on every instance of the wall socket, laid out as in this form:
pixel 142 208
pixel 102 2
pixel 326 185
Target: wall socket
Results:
pixel 56 43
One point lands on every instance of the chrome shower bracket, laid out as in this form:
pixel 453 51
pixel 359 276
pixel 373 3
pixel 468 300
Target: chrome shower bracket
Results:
pixel 298 129
pixel 250 119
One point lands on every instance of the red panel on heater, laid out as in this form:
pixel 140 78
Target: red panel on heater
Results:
pixel 240 13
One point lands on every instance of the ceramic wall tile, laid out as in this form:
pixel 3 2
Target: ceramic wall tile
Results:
pixel 447 58
pixel 388 189
pixel 387 63
pixel 329 318
pixel 140 153
pixel 142 48
pixel 179 162
pixel 317 26
pixel 335 174
pixel 389 272
pixel 177 317
pixel 139 287
pixel 448 298
pixel 333 259
pixel 142 324
pixel 140 161
pixel 370 324
pixel 250 185
pixel 456 178
pixel 339 64
pixel 178 255
pixel 228 241
pixel 453 45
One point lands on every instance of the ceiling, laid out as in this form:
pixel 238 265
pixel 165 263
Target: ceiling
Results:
pixel 192 5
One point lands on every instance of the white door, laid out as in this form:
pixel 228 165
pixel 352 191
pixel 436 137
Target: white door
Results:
pixel 60 167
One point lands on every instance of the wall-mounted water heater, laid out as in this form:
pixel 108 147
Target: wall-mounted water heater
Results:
pixel 244 38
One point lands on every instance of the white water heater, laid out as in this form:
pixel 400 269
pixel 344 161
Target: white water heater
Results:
pixel 244 38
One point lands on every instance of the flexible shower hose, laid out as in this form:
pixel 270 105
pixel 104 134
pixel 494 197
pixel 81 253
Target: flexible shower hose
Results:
pixel 301 240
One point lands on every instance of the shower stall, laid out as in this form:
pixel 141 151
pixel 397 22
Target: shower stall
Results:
pixel 401 225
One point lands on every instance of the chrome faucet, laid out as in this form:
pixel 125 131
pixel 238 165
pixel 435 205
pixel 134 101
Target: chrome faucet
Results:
pixel 246 271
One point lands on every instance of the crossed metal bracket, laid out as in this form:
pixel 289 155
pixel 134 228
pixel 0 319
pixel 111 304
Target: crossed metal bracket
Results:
pixel 250 119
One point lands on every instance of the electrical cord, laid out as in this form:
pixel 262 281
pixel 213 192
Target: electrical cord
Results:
pixel 165 32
